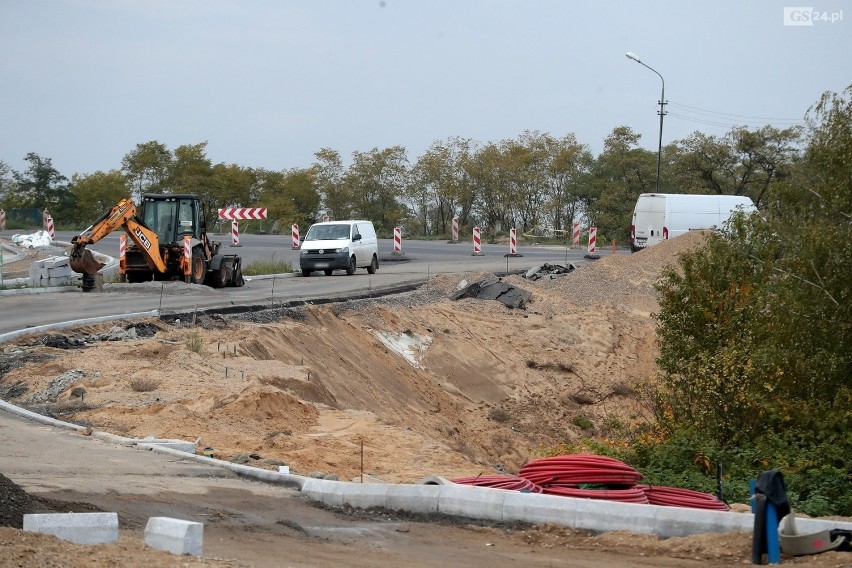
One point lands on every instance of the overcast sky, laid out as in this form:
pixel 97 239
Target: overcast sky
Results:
pixel 269 82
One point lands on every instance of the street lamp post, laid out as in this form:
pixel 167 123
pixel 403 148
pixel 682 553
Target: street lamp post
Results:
pixel 662 111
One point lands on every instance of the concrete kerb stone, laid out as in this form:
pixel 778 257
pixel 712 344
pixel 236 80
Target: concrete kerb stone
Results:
pixel 421 499
pixel 596 515
pixel 79 528
pixel 681 521
pixel 538 508
pixel 24 413
pixel 472 502
pixel 175 535
pixel 365 495
pixel 4 337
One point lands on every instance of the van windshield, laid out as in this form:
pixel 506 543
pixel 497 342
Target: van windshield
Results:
pixel 328 233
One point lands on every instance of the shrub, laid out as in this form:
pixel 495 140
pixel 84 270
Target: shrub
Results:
pixel 144 385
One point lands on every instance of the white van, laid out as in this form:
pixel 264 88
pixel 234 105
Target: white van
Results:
pixel 345 245
pixel 659 216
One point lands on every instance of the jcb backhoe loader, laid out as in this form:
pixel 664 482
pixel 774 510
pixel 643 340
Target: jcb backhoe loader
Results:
pixel 169 235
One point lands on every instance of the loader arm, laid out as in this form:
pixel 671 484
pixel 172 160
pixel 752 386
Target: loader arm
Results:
pixel 122 216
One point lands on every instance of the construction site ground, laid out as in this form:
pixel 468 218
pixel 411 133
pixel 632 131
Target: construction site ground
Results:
pixel 389 390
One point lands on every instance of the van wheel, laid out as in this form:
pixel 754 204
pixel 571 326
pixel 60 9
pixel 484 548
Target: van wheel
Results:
pixel 350 270
pixel 328 271
pixel 373 265
pixel 306 272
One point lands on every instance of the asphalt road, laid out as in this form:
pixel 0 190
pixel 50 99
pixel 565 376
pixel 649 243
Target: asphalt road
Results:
pixel 420 261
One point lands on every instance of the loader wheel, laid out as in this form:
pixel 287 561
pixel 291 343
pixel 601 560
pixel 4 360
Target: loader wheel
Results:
pixel 198 270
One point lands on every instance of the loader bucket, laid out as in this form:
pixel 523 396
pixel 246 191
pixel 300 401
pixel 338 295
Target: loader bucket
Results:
pixel 83 261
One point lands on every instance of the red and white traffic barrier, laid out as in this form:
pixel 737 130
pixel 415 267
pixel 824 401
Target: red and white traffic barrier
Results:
pixel 187 247
pixel 50 230
pixel 44 216
pixel 455 229
pixel 2 220
pixel 576 234
pixel 325 218
pixel 513 242
pixel 122 257
pixel 235 233
pixel 397 240
pixel 294 233
pixel 593 236
pixel 477 242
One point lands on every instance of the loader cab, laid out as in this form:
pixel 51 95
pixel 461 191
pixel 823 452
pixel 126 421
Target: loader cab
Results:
pixel 173 216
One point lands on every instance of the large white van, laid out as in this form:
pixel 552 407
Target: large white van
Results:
pixel 345 245
pixel 660 216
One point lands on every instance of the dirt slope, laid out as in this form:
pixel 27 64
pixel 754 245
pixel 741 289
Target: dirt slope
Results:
pixel 426 384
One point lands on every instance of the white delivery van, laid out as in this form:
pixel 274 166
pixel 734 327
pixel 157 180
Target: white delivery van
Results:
pixel 660 216
pixel 345 245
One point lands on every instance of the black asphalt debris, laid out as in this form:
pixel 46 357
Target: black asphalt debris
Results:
pixel 495 289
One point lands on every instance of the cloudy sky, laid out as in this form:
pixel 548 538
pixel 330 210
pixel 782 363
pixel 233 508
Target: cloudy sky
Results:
pixel 266 83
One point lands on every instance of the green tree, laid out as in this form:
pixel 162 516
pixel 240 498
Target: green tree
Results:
pixel 192 172
pixel 328 175
pixel 291 196
pixel 230 186
pixel 96 193
pixel 377 181
pixel 147 168
pixel 755 328
pixel 5 180
pixel 440 188
pixel 618 176
pixel 42 186
pixel 743 162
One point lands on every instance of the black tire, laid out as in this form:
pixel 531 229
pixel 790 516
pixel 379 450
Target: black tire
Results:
pixel 328 271
pixel 220 280
pixel 350 270
pixel 198 268
pixel 373 265
pixel 306 272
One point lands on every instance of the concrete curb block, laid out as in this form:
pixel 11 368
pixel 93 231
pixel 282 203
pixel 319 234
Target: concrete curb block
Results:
pixel 175 535
pixel 4 337
pixel 24 413
pixel 79 528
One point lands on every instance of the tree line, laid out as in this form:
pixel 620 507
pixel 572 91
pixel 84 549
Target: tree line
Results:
pixel 536 182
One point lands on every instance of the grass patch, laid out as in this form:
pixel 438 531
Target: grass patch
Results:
pixel 267 266
pixel 194 342
pixel 144 385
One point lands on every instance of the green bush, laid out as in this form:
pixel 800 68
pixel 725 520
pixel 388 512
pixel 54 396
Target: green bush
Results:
pixel 270 266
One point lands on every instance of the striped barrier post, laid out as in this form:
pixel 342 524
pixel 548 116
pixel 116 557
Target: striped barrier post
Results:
pixel 122 257
pixel 397 240
pixel 187 255
pixel 235 233
pixel 294 233
pixel 592 238
pixel 325 218
pixel 513 242
pixel 44 216
pixel 477 242
pixel 2 220
pixel 576 234
pixel 50 230
pixel 455 229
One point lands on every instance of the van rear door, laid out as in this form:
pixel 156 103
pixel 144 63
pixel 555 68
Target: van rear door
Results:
pixel 649 218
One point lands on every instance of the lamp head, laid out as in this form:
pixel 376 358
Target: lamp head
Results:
pixel 633 56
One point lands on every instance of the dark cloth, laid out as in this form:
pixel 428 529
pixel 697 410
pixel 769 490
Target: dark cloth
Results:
pixel 770 488
pixel 771 484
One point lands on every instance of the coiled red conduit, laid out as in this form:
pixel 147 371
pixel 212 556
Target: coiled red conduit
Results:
pixel 563 475
pixel 499 482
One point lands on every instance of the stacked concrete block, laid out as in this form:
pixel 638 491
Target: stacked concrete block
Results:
pixel 79 528
pixel 53 271
pixel 175 535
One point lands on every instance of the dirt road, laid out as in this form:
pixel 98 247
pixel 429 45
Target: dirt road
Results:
pixel 248 523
